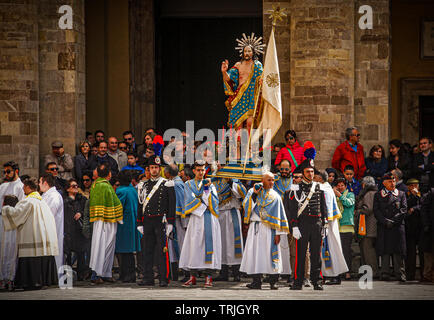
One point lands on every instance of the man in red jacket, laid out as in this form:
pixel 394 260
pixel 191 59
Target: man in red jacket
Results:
pixel 350 152
pixel 292 152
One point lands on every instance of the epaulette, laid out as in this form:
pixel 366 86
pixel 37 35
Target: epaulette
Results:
pixel 169 183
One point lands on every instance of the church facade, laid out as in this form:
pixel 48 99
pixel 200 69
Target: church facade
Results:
pixel 105 72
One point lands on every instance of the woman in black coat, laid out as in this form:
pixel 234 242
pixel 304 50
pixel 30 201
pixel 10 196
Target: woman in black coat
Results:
pixel 81 161
pixel 398 158
pixel 376 164
pixel 390 209
pixel 74 241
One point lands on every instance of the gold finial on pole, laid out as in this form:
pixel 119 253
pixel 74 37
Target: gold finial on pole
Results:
pixel 276 14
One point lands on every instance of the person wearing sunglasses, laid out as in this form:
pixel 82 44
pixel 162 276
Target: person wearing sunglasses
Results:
pixel 59 183
pixel 74 240
pixel 292 152
pixel 11 185
pixel 350 152
pixel 86 184
pixel 64 161
pixel 130 140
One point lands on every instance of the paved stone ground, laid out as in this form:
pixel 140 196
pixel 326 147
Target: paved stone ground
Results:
pixel 227 291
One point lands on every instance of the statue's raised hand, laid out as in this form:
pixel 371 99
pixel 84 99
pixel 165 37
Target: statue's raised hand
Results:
pixel 225 66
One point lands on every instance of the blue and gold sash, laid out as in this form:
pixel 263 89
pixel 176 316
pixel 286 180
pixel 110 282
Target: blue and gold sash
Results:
pixel 193 199
pixel 269 207
pixel 281 185
pixel 325 254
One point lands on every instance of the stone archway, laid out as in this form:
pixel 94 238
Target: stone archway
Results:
pixel 411 90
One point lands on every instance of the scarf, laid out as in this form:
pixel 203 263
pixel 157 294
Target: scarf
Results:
pixel 104 204
pixel 193 199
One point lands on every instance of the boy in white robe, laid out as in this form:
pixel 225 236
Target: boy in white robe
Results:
pixel 12 185
pixel 201 249
pixel 265 212
pixel 55 201
pixel 230 193
pixel 333 260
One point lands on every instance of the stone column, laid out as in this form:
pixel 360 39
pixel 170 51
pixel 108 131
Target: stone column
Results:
pixel 322 73
pixel 142 60
pixel 19 85
pixel 372 75
pixel 61 77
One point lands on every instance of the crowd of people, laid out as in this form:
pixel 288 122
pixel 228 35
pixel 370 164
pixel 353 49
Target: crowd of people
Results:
pixel 118 206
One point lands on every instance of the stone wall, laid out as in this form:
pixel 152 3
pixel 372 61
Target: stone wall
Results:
pixel 42 76
pixel 61 77
pixel 372 75
pixel 334 75
pixel 322 73
pixel 19 85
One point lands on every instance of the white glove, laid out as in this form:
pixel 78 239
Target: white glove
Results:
pixel 325 231
pixel 296 233
pixel 140 229
pixel 169 229
pixel 121 221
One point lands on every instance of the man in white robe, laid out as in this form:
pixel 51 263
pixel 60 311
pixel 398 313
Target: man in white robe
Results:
pixel 202 243
pixel 332 262
pixel 12 185
pixel 265 213
pixel 105 212
pixel 36 239
pixel 55 201
pixel 282 184
pixel 231 193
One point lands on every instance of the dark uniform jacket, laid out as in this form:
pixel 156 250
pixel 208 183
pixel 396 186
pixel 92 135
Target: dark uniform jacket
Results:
pixel 163 202
pixel 413 223
pixel 404 164
pixel 418 172
pixel 315 208
pixel 74 239
pixel 392 207
pixel 427 217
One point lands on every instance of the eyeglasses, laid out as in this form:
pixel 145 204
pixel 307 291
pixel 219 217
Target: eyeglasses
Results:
pixel 290 138
pixel 356 135
pixel 129 139
pixel 297 177
pixel 53 169
pixel 86 180
pixel 122 148
pixel 7 171
pixel 74 186
pixel 284 169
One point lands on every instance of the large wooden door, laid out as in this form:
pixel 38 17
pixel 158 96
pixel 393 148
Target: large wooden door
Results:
pixel 189 52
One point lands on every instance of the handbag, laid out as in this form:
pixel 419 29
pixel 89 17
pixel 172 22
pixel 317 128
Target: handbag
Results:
pixel 362 225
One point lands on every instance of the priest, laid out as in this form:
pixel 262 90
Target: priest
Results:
pixel 265 214
pixel 36 239
pixel 105 211
pixel 55 201
pixel 12 185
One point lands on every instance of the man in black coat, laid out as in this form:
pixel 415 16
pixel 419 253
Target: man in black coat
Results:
pixel 390 209
pixel 157 204
pixel 102 157
pixel 427 241
pixel 413 228
pixel 423 165
pixel 306 210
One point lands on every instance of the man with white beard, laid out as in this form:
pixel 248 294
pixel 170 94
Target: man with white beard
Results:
pixel 264 210
pixel 55 201
pixel 12 185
